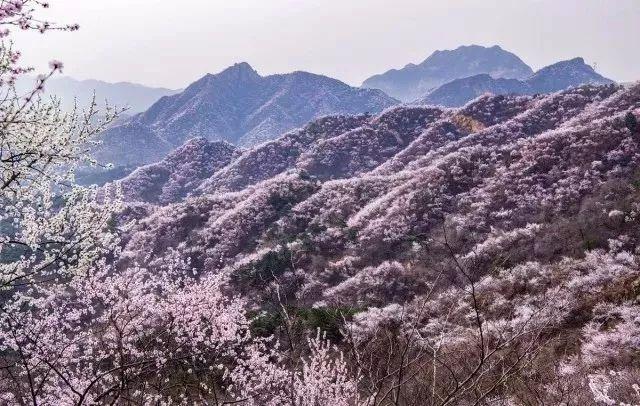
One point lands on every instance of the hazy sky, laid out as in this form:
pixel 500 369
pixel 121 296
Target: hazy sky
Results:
pixel 171 43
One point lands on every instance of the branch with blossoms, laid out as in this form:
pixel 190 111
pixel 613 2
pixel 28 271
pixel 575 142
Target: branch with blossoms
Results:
pixel 49 227
pixel 443 347
pixel 21 14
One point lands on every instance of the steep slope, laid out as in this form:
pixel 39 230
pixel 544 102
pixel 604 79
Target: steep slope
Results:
pixel 333 147
pixel 467 158
pixel 130 144
pixel 414 81
pixel 559 76
pixel 242 107
pixel 179 173
pixel 278 156
pixel 516 216
pixel 135 97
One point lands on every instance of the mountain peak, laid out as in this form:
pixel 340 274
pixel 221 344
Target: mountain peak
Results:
pixel 564 74
pixel 242 66
pixel 573 67
pixel 443 66
pixel 240 106
pixel 478 47
pixel 240 70
pixel 466 49
pixel 577 62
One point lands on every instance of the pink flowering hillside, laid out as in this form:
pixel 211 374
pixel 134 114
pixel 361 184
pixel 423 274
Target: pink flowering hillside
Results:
pixel 290 240
pixel 509 224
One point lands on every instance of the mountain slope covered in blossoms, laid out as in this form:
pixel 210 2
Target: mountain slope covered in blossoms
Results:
pixel 414 81
pixel 553 78
pixel 236 105
pixel 531 199
pixel 179 173
pixel 401 170
pixel 292 241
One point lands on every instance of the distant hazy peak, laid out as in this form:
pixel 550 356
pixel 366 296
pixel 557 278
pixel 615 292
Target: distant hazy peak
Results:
pixel 133 95
pixel 69 79
pixel 469 50
pixel 559 76
pixel 577 63
pixel 443 66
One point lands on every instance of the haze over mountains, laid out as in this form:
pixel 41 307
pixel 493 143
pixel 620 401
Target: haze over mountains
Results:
pixel 136 98
pixel 241 107
pixel 448 78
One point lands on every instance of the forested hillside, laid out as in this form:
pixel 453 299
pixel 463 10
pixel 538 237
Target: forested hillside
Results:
pixel 344 250
pixel 504 230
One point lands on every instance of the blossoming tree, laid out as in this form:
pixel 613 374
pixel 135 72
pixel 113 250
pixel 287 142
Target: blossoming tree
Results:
pixel 76 327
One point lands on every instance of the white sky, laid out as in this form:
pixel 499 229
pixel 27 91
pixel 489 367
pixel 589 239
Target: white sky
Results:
pixel 171 43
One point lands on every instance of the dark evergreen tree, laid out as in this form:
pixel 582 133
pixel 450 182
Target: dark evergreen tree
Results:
pixel 631 122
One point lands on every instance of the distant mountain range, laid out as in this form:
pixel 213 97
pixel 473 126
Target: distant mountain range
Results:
pixel 135 97
pixel 243 108
pixel 399 140
pixel 553 78
pixel 414 81
pixel 236 105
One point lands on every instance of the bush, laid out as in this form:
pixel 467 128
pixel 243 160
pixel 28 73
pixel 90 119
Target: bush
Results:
pixel 329 320
pixel 272 265
pixel 631 122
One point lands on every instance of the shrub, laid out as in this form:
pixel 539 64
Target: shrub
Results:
pixel 631 122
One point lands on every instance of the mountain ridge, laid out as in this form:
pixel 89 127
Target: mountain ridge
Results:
pixel 442 66
pixel 179 173
pixel 558 76
pixel 240 106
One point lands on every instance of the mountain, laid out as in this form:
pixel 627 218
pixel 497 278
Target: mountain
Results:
pixel 500 174
pixel 553 78
pixel 236 105
pixel 565 74
pixel 179 173
pixel 123 94
pixel 515 215
pixel 414 81
pixel 460 91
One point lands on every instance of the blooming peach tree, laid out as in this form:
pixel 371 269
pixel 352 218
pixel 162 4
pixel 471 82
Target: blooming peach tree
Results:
pixel 76 326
